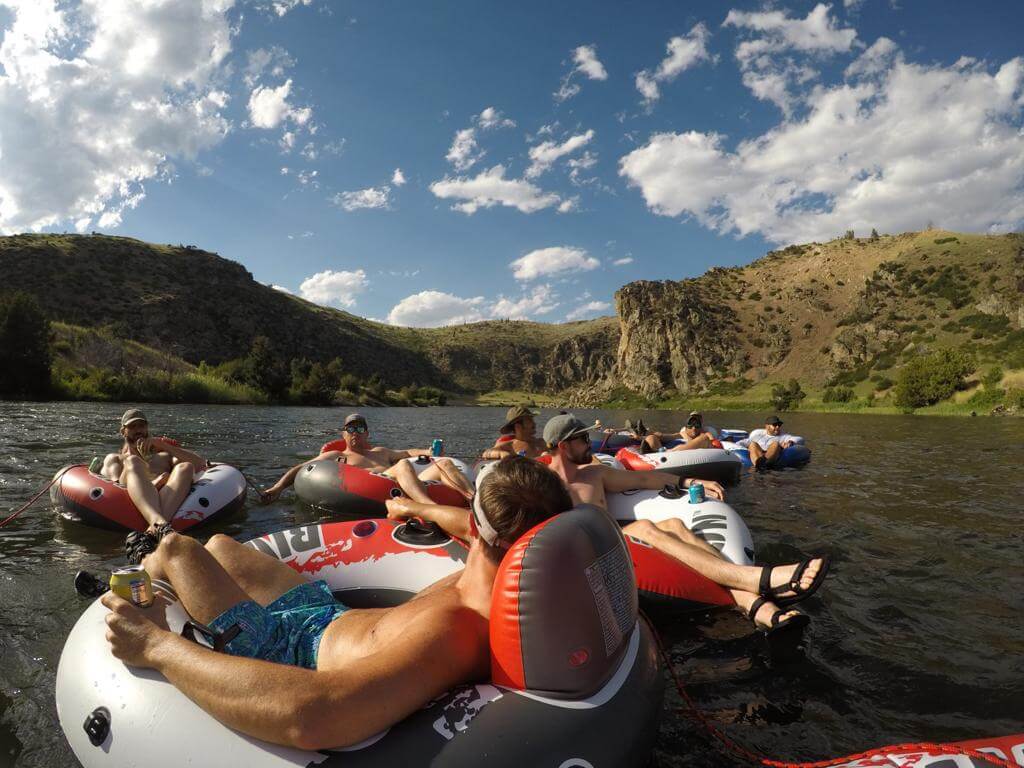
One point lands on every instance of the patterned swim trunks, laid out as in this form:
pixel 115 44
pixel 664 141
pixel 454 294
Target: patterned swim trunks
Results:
pixel 288 631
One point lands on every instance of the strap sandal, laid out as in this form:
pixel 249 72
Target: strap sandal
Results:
pixel 138 544
pixel 778 626
pixel 778 594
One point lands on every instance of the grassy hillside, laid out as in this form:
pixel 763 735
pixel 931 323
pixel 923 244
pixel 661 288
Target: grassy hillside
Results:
pixel 199 307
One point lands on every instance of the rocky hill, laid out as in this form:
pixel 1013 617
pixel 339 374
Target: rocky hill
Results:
pixel 847 312
pixel 840 312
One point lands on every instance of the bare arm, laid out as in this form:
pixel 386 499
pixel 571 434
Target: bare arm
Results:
pixel 179 454
pixel 453 520
pixel 288 478
pixel 304 708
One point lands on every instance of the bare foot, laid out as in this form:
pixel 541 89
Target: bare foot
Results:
pixel 402 508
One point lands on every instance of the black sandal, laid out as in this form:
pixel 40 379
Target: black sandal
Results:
pixel 765 588
pixel 777 625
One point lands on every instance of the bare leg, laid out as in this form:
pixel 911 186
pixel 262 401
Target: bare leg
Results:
pixel 674 539
pixel 263 577
pixel 756 452
pixel 444 469
pixel 203 586
pixel 403 474
pixel 142 492
pixel 652 443
pixel 176 489
pixel 773 453
pixel 112 467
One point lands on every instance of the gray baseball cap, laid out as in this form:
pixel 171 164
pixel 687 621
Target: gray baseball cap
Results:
pixel 354 417
pixel 132 415
pixel 561 428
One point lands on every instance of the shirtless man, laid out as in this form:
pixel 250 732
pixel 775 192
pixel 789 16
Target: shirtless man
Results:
pixel 306 671
pixel 359 453
pixel 157 474
pixel 693 434
pixel 752 587
pixel 766 448
pixel 520 426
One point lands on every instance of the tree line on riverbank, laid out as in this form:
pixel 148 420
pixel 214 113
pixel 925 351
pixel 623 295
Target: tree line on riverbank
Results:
pixel 40 359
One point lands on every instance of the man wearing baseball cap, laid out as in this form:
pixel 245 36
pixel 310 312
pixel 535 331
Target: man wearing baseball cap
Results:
pixel 760 592
pixel 518 435
pixel 766 445
pixel 157 472
pixel 358 451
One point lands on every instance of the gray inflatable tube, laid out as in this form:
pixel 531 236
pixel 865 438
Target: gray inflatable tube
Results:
pixel 575 681
pixel 703 463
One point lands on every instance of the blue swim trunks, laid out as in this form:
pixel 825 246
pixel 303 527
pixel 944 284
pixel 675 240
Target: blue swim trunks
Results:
pixel 287 631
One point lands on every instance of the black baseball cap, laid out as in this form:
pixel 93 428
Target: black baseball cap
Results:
pixel 354 418
pixel 775 421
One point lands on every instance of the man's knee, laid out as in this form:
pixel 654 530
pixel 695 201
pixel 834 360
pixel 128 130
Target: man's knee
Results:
pixel 135 464
pixel 221 544
pixel 643 530
pixel 184 469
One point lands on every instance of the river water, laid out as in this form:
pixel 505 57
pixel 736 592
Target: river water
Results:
pixel 916 635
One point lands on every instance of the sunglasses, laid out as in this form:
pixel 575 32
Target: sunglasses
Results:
pixel 358 429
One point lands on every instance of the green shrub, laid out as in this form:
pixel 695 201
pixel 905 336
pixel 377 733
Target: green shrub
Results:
pixel 25 354
pixel 837 395
pixel 992 379
pixel 942 240
pixel 986 325
pixel 930 378
pixel 882 383
pixel 787 397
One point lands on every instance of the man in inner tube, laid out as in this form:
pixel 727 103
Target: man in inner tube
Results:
pixel 300 668
pixel 755 588
pixel 693 435
pixel 518 436
pixel 360 453
pixel 157 473
pixel 767 446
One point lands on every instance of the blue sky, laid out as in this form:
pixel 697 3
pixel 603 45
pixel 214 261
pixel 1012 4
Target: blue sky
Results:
pixel 548 152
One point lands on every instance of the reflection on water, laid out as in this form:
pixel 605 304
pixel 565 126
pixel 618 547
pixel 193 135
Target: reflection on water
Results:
pixel 916 635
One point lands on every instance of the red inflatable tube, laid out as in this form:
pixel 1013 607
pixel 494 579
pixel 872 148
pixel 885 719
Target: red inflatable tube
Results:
pixel 633 460
pixel 334 445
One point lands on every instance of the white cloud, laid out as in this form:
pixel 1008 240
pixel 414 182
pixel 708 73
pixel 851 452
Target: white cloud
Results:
pixel 539 301
pixel 282 289
pixel 545 154
pixel 569 205
pixel 282 7
pixel 912 145
pixel 489 188
pixel 768 71
pixel 876 59
pixel 398 178
pixel 586 63
pixel 492 118
pixel 464 151
pixel 552 261
pixel 623 261
pixel 371 197
pixel 330 287
pixel 590 308
pixel 115 90
pixel 274 61
pixel 684 51
pixel 429 309
pixel 585 57
pixel 269 107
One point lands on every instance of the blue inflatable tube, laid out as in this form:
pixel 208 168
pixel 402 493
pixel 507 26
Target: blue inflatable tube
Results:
pixel 794 456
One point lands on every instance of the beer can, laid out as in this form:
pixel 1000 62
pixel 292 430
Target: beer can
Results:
pixel 437 447
pixel 133 584
pixel 696 493
pixel 96 465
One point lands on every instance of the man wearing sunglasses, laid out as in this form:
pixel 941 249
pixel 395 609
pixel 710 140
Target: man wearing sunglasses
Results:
pixel 303 670
pixel 568 439
pixel 359 452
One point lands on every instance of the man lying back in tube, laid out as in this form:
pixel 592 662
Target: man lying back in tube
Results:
pixel 306 671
